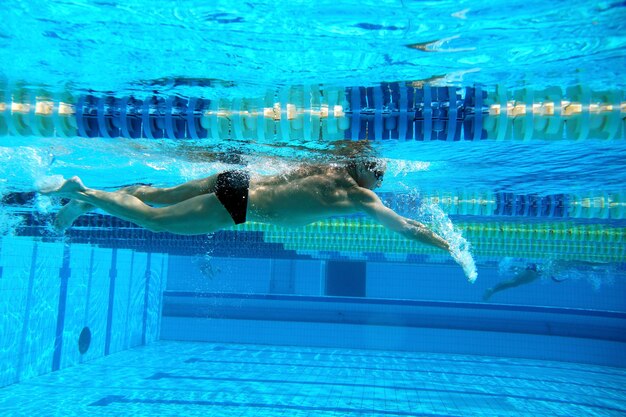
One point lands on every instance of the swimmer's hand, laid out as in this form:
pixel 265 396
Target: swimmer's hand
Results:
pixel 463 257
pixel 458 248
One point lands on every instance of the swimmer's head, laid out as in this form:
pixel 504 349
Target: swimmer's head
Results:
pixel 368 172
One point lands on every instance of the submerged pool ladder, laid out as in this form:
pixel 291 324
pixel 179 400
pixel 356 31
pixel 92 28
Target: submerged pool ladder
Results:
pixel 389 111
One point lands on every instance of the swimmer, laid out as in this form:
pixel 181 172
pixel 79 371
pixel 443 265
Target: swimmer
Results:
pixel 530 274
pixel 557 270
pixel 206 205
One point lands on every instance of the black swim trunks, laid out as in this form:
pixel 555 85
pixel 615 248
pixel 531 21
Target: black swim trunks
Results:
pixel 231 188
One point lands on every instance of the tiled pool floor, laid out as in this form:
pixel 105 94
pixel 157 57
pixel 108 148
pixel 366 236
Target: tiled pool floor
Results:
pixel 205 379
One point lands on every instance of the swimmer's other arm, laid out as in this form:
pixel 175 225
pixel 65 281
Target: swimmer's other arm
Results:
pixel 368 202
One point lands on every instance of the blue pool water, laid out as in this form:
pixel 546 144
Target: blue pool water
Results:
pixel 340 317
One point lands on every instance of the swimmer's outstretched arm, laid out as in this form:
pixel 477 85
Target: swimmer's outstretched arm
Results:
pixel 367 201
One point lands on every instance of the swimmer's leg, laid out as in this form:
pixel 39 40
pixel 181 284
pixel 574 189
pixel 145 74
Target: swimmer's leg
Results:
pixel 197 215
pixel 165 196
pixel 172 195
pixel 523 278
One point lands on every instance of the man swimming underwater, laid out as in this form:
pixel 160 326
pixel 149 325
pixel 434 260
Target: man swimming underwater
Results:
pixel 296 198
pixel 557 270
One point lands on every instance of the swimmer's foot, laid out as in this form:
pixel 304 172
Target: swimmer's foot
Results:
pixel 487 295
pixel 69 213
pixel 70 188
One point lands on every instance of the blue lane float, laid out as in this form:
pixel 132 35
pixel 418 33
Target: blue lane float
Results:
pixel 397 111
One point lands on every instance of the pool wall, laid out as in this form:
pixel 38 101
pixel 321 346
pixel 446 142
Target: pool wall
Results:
pixel 396 307
pixel 50 292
